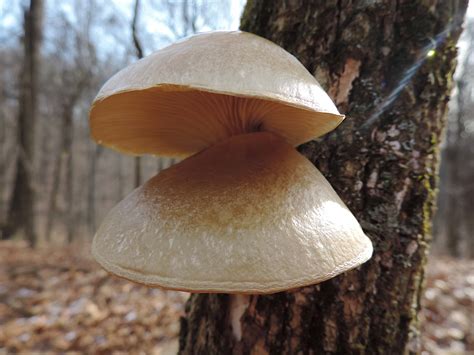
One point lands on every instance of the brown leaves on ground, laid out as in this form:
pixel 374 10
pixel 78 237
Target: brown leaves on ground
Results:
pixel 60 300
pixel 447 316
pixel 56 300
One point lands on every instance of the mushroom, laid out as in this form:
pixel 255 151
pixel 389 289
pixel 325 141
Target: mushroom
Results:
pixel 244 212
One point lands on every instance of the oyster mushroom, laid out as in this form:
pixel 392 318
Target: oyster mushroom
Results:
pixel 244 212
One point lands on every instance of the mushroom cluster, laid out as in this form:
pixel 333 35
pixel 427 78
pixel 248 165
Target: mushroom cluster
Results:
pixel 244 212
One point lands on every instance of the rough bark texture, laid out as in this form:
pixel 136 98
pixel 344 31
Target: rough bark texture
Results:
pixel 21 213
pixel 374 59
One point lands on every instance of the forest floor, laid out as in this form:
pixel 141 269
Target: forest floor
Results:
pixel 57 300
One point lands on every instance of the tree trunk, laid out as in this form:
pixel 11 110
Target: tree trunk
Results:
pixel 388 65
pixel 137 171
pixel 64 158
pixel 91 201
pixel 3 160
pixel 53 196
pixel 139 52
pixel 67 136
pixel 457 181
pixel 120 179
pixel 455 209
pixel 159 165
pixel 21 213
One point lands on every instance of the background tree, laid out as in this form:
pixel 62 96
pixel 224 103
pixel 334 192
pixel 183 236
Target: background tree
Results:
pixel 85 43
pixel 388 66
pixel 139 53
pixel 74 71
pixel 21 214
pixel 453 225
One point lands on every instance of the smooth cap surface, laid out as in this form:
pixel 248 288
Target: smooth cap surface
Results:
pixel 250 215
pixel 204 89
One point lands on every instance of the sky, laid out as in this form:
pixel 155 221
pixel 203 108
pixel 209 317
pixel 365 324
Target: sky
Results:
pixel 11 9
pixel 151 22
pixel 236 5
pixel 10 13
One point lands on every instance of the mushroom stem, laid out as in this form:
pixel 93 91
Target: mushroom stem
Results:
pixel 238 304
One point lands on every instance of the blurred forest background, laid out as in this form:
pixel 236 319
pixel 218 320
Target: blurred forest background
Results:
pixel 81 44
pixel 56 184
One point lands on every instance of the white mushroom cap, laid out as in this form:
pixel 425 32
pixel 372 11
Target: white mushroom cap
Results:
pixel 202 90
pixel 249 215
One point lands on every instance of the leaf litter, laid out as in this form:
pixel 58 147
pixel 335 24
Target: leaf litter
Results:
pixel 60 300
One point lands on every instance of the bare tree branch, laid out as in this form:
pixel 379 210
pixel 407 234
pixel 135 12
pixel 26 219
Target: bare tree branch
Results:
pixel 136 41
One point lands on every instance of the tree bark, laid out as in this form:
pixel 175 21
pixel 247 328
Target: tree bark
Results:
pixel 21 214
pixel 388 65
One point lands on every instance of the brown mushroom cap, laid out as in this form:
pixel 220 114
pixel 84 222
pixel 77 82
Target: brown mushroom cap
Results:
pixel 249 215
pixel 202 90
